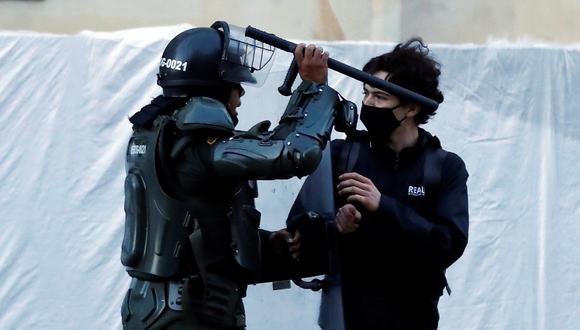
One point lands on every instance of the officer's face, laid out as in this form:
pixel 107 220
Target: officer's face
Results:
pixel 235 100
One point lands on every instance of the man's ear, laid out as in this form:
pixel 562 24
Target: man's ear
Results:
pixel 413 110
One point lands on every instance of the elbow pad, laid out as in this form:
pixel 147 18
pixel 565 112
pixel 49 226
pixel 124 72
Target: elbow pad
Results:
pixel 293 149
pixel 250 158
pixel 312 106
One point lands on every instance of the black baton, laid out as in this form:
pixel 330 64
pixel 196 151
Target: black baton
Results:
pixel 345 69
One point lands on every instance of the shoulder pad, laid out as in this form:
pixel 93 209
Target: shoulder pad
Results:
pixel 159 105
pixel 260 128
pixel 204 113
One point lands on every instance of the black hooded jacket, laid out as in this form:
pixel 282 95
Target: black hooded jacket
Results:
pixel 392 267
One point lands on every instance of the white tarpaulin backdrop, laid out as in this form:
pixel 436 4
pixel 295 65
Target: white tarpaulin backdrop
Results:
pixel 511 111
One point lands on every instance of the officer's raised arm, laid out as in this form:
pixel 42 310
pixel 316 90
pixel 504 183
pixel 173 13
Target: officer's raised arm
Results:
pixel 294 147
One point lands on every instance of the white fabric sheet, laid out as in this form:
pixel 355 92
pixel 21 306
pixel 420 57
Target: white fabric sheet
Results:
pixel 512 112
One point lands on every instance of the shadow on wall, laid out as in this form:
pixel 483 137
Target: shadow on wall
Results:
pixel 327 26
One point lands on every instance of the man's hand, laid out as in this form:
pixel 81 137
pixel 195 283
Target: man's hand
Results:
pixel 360 189
pixel 347 219
pixel 282 242
pixel 312 63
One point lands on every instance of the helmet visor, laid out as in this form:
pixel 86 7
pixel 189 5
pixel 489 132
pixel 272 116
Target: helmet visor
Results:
pixel 246 60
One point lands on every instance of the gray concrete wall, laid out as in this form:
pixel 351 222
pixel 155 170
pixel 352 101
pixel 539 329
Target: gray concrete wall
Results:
pixel 438 21
pixel 460 21
pixel 316 19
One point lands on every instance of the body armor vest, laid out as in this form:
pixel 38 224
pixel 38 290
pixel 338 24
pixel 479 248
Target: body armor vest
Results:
pixel 157 225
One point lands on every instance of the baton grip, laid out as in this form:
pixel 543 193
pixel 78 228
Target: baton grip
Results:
pixel 286 88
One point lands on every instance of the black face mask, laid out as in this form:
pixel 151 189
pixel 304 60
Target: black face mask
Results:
pixel 380 122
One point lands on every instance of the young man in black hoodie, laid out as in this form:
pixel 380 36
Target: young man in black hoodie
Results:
pixel 402 214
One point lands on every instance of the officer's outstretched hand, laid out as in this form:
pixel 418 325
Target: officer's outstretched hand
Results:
pixel 282 242
pixel 312 63
pixel 347 219
pixel 360 189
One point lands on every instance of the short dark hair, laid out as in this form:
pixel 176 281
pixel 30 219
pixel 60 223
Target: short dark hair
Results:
pixel 410 66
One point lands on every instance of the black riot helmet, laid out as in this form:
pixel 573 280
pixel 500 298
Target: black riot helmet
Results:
pixel 209 58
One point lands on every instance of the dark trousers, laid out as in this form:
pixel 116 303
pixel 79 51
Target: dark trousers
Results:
pixel 375 311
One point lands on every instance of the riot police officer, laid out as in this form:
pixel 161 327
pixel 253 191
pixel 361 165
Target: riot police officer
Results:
pixel 192 242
